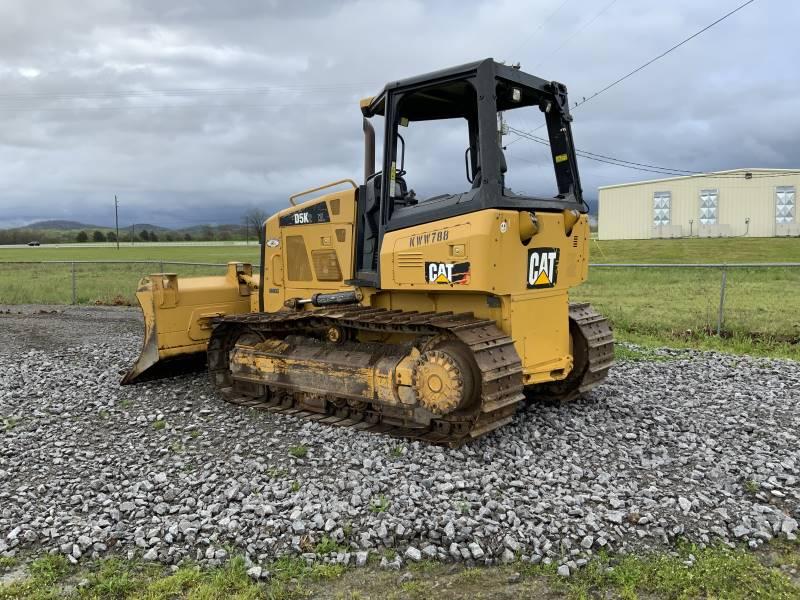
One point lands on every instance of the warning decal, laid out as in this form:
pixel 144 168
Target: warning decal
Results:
pixel 542 267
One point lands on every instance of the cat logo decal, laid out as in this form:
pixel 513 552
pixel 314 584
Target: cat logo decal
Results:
pixel 542 267
pixel 447 273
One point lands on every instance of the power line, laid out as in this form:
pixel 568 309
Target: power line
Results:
pixel 577 31
pixel 602 160
pixel 544 141
pixel 645 167
pixel 547 19
pixel 663 54
pixel 650 62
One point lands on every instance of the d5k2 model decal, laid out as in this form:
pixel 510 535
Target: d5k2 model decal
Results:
pixel 542 267
pixel 447 273
pixel 316 213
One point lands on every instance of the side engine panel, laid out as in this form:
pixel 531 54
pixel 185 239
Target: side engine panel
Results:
pixel 309 248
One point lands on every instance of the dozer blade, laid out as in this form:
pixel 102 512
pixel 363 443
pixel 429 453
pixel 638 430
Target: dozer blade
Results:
pixel 178 314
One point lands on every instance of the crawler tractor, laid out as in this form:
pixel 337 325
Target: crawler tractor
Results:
pixel 430 318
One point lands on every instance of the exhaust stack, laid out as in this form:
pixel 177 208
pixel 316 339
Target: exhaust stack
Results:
pixel 369 149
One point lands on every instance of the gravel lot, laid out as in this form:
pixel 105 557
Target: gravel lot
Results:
pixel 696 445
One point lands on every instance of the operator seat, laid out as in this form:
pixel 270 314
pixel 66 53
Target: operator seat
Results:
pixel 476 180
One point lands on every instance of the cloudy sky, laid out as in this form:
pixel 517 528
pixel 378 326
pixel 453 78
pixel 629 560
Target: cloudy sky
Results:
pixel 193 111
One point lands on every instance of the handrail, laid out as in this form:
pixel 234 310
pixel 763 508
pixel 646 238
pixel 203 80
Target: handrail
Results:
pixel 322 187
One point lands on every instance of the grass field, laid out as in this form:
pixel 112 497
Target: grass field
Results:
pixel 672 306
pixel 692 572
pixel 214 254
pixel 679 306
pixel 710 250
pixel 102 283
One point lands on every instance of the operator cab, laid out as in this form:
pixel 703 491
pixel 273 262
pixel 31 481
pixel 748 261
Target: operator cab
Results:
pixel 474 97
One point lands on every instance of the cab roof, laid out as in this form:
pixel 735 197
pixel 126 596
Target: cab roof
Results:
pixel 374 105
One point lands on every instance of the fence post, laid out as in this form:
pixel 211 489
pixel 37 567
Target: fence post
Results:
pixel 721 315
pixel 74 286
pixel 161 265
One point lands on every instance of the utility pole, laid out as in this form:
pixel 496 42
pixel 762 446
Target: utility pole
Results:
pixel 116 217
pixel 133 234
pixel 501 129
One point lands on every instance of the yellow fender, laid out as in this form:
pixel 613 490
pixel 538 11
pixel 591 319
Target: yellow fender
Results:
pixel 178 313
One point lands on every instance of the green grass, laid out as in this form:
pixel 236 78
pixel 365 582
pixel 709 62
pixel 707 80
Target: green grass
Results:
pixel 212 254
pixel 326 546
pixel 9 423
pixel 298 451
pixel 624 351
pixel 98 283
pixel 712 250
pixel 690 572
pixel 716 573
pixel 276 472
pixel 751 486
pixel 43 575
pixel 379 505
pixel 679 306
pixel 159 424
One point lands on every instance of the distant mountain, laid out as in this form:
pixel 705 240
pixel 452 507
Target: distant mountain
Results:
pixel 61 224
pixel 200 228
pixel 147 226
pixel 63 231
pixel 64 225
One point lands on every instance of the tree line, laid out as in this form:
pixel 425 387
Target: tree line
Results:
pixel 251 224
pixel 143 236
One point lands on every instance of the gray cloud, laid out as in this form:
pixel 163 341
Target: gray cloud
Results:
pixel 193 111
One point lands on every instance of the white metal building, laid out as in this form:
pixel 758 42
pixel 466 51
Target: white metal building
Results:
pixel 739 202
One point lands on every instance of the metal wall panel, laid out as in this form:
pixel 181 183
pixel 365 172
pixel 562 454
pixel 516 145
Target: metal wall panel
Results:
pixel 750 206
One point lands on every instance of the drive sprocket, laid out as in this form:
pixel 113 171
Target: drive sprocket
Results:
pixel 438 382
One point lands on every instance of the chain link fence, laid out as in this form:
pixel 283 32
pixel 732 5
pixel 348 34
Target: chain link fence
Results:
pixel 110 282
pixel 759 300
pixel 753 299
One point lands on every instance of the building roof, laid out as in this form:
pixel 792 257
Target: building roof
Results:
pixel 710 175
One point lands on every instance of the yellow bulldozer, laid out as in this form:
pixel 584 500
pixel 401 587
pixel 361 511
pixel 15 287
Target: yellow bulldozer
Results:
pixel 430 318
